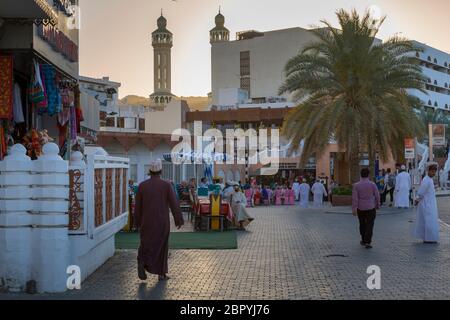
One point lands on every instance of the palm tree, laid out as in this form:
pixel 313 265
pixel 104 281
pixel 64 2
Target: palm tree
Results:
pixel 351 88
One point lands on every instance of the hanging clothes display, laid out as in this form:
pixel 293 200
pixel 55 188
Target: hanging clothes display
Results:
pixel 54 103
pixel 38 97
pixel 6 87
pixel 2 143
pixel 17 104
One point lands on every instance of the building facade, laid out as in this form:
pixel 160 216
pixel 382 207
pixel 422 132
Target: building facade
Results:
pixel 254 63
pixel 435 66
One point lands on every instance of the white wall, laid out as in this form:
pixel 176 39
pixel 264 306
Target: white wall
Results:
pixel 268 56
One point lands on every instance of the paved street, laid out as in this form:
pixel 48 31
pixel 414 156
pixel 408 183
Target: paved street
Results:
pixel 290 253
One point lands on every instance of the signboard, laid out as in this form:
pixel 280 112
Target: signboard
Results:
pixel 59 42
pixel 439 135
pixel 409 148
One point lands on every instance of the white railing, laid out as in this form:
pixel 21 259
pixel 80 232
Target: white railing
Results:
pixel 99 191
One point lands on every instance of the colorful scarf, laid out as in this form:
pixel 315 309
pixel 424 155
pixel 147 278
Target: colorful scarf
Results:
pixel 6 87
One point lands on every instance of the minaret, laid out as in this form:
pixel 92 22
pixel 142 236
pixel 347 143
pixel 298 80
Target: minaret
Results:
pixel 219 33
pixel 162 44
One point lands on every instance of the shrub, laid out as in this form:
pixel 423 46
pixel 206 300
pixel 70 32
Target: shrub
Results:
pixel 342 191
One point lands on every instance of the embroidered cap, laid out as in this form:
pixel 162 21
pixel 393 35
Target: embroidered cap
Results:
pixel 156 166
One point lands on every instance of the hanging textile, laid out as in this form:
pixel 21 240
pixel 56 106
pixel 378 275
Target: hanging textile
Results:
pixel 6 87
pixel 2 143
pixel 54 102
pixel 73 124
pixel 36 90
pixel 17 104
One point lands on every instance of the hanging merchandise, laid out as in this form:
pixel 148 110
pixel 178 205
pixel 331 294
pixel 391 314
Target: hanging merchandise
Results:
pixel 78 110
pixel 53 96
pixel 37 91
pixel 6 87
pixel 17 105
pixel 34 141
pixel 2 143
pixel 73 124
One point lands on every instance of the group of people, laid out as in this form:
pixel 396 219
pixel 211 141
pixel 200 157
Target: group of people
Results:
pixel 284 194
pixel 367 198
pixel 397 185
pixel 155 196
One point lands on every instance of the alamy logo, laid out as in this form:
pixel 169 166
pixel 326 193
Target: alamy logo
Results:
pixel 74 279
pixel 374 280
pixel 249 147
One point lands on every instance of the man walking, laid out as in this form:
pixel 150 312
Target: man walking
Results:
pixel 319 192
pixel 296 187
pixel 304 194
pixel 427 221
pixel 365 202
pixel 402 188
pixel 153 199
pixel 389 186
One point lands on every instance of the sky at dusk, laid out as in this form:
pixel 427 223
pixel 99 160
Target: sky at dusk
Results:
pixel 115 35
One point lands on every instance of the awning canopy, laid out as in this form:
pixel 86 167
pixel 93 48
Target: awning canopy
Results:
pixel 27 9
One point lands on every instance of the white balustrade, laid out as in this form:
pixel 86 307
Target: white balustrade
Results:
pixel 50 254
pixel 15 219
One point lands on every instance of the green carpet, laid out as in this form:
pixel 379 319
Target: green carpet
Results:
pixel 184 240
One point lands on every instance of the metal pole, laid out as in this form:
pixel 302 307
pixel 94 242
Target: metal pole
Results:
pixel 430 141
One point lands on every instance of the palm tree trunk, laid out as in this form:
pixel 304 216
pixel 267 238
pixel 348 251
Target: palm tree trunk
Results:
pixel 372 165
pixel 354 166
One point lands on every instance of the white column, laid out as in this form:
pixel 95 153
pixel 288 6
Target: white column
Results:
pixel 15 220
pixel 50 243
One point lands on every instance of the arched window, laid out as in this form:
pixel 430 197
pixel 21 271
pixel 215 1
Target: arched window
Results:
pixel 429 102
pixel 429 58
pixel 435 82
pixel 436 104
pixel 435 60
pixel 417 54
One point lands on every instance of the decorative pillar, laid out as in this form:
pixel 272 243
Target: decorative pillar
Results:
pixel 77 219
pixel 50 243
pixel 15 220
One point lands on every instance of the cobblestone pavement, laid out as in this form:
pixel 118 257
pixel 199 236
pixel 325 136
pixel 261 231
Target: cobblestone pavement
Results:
pixel 290 253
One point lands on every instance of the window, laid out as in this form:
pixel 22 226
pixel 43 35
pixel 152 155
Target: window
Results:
pixel 159 59
pixel 110 122
pixel 142 124
pixel 417 55
pixel 435 104
pixel 435 82
pixel 245 63
pixel 245 70
pixel 429 58
pixel 120 122
pixel 435 60
pixel 429 102
pixel 245 84
pixel 159 73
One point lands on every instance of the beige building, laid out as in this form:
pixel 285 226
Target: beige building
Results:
pixel 255 61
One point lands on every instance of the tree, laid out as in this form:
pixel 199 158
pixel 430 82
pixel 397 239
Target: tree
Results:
pixel 352 88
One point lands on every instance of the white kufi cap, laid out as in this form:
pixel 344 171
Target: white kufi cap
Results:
pixel 156 166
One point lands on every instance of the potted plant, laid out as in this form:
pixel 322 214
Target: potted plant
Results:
pixel 342 196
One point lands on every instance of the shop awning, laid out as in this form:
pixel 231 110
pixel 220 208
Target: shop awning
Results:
pixel 27 9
